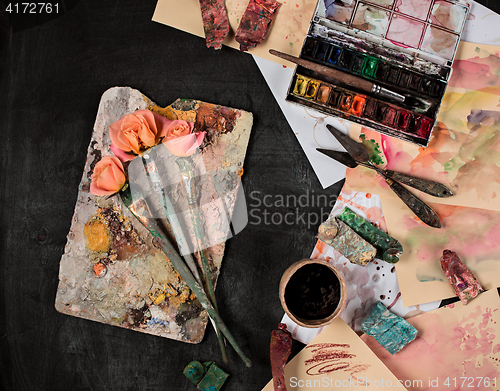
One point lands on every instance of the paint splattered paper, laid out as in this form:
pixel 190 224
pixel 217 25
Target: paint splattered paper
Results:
pixel 471 233
pixel 365 284
pixel 110 271
pixel 337 359
pixel 286 34
pixel 464 150
pixel 457 348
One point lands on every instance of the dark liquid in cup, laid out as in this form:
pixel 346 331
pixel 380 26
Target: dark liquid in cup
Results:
pixel 313 292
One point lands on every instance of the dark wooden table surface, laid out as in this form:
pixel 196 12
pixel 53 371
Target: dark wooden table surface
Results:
pixel 53 72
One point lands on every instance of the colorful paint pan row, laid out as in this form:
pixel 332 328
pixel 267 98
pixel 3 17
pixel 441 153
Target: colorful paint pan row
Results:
pixel 358 107
pixel 371 67
pixel 431 26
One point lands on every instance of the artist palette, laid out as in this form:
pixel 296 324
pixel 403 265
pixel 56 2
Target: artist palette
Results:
pixel 405 46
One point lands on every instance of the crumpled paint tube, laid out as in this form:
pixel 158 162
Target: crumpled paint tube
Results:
pixel 461 279
pixel 256 22
pixel 388 248
pixel 346 241
pixel 390 331
pixel 281 347
pixel 215 22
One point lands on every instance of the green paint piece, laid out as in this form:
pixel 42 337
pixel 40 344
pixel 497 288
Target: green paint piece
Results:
pixel 346 241
pixel 370 67
pixel 207 376
pixel 373 149
pixel 388 248
pixel 214 378
pixel 194 371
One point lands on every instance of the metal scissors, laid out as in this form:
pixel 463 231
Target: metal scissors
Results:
pixel 357 155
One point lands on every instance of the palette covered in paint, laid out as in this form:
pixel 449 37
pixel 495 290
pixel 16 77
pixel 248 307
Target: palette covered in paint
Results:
pixel 111 271
pixel 405 46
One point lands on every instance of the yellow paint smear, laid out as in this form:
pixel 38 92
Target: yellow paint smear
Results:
pixel 97 235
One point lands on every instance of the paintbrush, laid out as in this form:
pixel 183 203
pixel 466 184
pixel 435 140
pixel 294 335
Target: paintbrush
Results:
pixel 416 104
pixel 143 214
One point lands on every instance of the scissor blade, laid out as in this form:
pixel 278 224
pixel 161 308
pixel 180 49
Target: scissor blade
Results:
pixel 341 157
pixel 355 149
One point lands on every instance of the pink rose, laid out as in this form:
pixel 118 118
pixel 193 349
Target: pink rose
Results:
pixel 136 132
pixel 180 140
pixel 108 176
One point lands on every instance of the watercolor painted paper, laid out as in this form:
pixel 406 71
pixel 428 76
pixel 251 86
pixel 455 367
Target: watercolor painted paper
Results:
pixel 286 34
pixel 337 359
pixel 471 233
pixel 365 284
pixel 464 149
pixel 457 348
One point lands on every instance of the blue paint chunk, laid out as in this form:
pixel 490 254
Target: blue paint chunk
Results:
pixel 390 331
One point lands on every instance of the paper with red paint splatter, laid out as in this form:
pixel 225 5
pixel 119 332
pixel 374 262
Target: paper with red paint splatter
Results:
pixel 337 359
pixel 464 149
pixel 457 348
pixel 286 35
pixel 472 233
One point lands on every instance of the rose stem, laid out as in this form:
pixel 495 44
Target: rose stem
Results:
pixel 183 271
pixel 152 172
pixel 186 171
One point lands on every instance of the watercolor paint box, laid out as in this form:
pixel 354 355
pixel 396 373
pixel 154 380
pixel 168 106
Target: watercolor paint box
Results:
pixel 405 46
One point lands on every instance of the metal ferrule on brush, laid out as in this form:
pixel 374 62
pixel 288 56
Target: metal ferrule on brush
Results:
pixel 385 93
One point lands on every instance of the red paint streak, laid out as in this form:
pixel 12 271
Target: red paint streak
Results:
pixel 395 300
pixel 331 357
pixel 327 357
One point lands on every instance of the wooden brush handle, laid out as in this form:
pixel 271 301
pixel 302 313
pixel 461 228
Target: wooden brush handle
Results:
pixel 350 80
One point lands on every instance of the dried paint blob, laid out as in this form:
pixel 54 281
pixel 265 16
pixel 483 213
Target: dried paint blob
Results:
pixel 215 22
pixel 256 22
pixel 358 105
pixel 339 10
pixel 439 42
pixel 311 89
pixel 313 292
pixel 416 8
pixel 390 331
pixel 371 19
pixel 462 280
pixel 448 15
pixel 323 93
pixel 405 31
pixel 300 85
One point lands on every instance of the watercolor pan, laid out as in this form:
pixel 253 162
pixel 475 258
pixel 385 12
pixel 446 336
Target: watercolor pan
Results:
pixel 406 46
pixel 339 101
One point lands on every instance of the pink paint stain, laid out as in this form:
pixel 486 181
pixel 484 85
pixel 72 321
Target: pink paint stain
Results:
pixel 475 73
pixel 444 349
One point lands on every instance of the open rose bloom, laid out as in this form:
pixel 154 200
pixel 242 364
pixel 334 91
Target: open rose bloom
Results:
pixel 180 139
pixel 108 176
pixel 136 132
